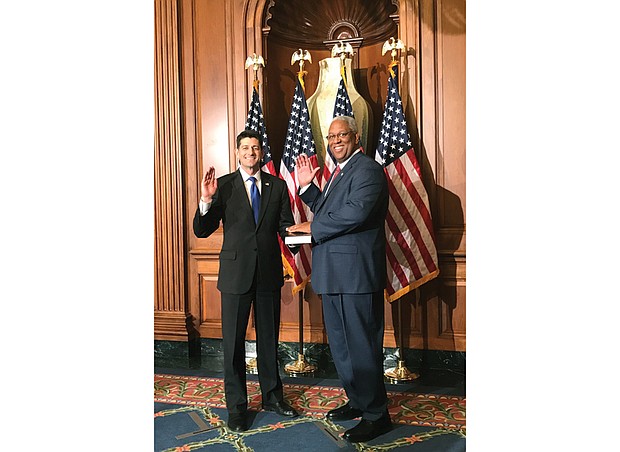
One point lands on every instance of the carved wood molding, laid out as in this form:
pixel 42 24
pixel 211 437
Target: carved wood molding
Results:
pixel 170 326
pixel 169 213
pixel 310 24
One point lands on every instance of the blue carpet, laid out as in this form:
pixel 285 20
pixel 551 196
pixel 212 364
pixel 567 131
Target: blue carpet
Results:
pixel 270 432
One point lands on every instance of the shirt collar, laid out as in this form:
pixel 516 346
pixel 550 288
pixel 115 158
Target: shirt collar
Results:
pixel 347 160
pixel 246 176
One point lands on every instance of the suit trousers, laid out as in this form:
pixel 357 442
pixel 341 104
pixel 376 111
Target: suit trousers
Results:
pixel 235 316
pixel 354 325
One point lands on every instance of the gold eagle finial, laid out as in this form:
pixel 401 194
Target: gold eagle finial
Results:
pixel 394 45
pixel 342 50
pixel 255 61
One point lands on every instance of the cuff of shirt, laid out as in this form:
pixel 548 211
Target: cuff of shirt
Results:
pixel 204 207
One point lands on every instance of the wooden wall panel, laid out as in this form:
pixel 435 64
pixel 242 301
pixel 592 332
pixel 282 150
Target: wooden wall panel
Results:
pixel 451 109
pixel 441 106
pixel 170 306
pixel 210 56
pixel 207 107
pixel 370 75
pixel 451 166
pixel 210 311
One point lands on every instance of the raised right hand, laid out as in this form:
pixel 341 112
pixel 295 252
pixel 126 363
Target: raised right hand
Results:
pixel 208 186
pixel 305 171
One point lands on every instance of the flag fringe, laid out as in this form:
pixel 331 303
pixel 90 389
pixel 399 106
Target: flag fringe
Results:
pixel 288 271
pixel 391 69
pixel 405 290
pixel 301 286
pixel 300 77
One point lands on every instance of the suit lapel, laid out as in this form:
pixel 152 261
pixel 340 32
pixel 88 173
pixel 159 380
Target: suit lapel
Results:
pixel 242 197
pixel 265 194
pixel 330 185
pixel 343 174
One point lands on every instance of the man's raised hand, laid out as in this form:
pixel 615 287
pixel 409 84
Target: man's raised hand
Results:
pixel 305 171
pixel 208 185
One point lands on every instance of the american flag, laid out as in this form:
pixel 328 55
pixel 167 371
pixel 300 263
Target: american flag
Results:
pixel 256 122
pixel 411 253
pixel 298 141
pixel 342 107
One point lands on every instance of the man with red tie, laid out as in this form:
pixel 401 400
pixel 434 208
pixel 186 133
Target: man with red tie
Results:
pixel 349 272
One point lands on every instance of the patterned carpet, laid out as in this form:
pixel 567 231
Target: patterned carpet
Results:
pixel 196 407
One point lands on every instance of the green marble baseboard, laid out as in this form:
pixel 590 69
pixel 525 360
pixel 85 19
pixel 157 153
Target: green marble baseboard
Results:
pixel 207 354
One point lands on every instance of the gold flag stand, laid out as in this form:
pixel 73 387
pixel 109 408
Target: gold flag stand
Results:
pixel 400 373
pixel 300 366
pixel 251 366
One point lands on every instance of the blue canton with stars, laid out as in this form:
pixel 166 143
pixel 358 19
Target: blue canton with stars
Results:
pixel 394 138
pixel 256 122
pixel 299 133
pixel 342 107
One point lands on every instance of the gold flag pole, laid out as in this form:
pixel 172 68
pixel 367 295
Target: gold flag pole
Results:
pixel 300 366
pixel 393 46
pixel 254 62
pixel 400 373
pixel 302 56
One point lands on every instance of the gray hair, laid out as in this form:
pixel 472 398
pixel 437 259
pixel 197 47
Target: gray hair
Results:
pixel 349 120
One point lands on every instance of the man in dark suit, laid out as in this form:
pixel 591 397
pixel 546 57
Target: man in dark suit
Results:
pixel 254 208
pixel 349 272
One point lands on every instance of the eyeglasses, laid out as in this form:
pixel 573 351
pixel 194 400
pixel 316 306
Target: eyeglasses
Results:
pixel 340 135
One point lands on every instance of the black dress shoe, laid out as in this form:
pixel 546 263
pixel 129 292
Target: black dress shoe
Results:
pixel 343 413
pixel 237 422
pixel 367 430
pixel 282 408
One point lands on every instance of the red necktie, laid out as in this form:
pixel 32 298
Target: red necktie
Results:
pixel 336 172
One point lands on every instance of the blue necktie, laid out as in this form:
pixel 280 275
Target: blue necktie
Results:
pixel 255 197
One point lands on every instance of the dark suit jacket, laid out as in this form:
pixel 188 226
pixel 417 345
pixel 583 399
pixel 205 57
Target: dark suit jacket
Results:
pixel 348 229
pixel 248 248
